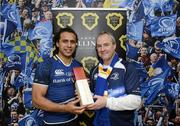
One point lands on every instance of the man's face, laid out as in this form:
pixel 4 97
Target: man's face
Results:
pixel 105 48
pixel 21 3
pixel 154 57
pixel 177 120
pixel 14 115
pixel 48 15
pixel 66 44
pixel 143 51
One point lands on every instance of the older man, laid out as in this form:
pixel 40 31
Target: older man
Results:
pixel 115 85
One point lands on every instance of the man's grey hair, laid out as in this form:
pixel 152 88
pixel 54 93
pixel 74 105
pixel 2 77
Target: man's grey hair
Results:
pixel 109 34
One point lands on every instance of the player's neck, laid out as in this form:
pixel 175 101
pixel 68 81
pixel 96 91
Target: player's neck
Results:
pixel 66 60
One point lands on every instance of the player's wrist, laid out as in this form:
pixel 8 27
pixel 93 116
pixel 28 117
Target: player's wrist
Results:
pixel 63 107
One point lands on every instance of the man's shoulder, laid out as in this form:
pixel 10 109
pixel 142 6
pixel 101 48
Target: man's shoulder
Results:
pixel 128 64
pixel 120 64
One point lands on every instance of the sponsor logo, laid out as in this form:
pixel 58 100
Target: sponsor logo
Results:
pixel 87 42
pixel 59 72
pixel 63 80
pixel 89 62
pixel 114 20
pixel 64 19
pixel 90 20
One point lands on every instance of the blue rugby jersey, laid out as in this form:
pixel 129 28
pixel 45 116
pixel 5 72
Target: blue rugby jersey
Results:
pixel 61 89
pixel 123 80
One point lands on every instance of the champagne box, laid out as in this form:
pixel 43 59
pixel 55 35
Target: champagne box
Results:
pixel 82 86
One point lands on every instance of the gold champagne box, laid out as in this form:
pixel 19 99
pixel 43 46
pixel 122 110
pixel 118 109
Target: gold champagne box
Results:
pixel 82 86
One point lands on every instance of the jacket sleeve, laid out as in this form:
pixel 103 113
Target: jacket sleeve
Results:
pixel 128 102
pixel 132 100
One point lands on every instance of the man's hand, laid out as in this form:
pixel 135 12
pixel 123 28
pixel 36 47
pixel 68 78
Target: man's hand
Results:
pixel 72 107
pixel 100 103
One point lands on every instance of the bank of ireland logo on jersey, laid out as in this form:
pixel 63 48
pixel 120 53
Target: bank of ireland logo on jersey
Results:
pixel 90 20
pixel 64 19
pixel 114 20
pixel 59 72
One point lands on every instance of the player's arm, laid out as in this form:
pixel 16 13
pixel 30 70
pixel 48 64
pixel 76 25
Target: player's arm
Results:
pixel 40 101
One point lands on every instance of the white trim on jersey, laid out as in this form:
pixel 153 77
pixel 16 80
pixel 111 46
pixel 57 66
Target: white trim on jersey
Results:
pixel 71 99
pixel 63 62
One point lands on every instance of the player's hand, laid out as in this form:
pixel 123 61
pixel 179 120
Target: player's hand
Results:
pixel 72 107
pixel 100 103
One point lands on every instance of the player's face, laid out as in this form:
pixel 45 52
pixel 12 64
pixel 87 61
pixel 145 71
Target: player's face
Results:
pixel 105 48
pixel 67 44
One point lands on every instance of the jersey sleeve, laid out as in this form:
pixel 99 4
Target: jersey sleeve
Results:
pixel 42 73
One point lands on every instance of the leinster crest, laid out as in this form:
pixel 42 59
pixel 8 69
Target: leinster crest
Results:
pixel 89 62
pixel 114 20
pixel 90 20
pixel 64 19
